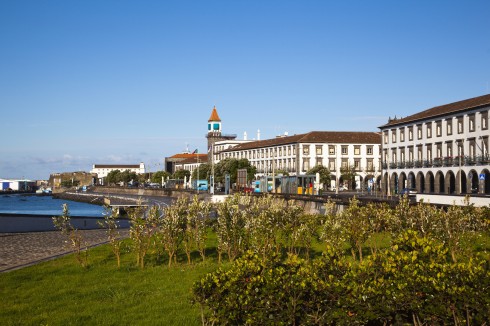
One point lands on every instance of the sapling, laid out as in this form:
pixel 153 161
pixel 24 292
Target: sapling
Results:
pixel 111 224
pixel 75 239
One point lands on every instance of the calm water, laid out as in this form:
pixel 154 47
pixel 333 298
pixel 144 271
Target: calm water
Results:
pixel 46 205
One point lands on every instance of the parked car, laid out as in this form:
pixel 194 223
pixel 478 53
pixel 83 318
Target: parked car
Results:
pixel 408 192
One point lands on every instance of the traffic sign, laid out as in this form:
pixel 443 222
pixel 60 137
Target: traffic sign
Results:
pixel 482 176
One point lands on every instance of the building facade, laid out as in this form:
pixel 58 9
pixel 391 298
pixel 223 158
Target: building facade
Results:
pixel 442 150
pixel 297 154
pixel 102 170
pixel 189 161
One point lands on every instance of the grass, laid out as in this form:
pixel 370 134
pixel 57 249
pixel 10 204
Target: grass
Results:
pixel 60 292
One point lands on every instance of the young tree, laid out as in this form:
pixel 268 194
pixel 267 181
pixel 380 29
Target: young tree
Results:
pixel 113 235
pixel 324 172
pixel 230 228
pixel 204 172
pixel 181 174
pixel 142 229
pixel 348 173
pixel 173 228
pixel 75 239
pixel 157 176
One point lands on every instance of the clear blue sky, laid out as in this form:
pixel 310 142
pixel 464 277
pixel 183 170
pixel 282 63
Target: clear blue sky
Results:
pixel 84 82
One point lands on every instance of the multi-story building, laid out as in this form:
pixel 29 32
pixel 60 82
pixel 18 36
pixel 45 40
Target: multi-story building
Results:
pixel 102 170
pixel 442 150
pixel 188 161
pixel 299 153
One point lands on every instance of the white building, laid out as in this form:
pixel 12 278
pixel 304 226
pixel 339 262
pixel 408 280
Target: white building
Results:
pixel 17 185
pixel 442 150
pixel 299 153
pixel 102 170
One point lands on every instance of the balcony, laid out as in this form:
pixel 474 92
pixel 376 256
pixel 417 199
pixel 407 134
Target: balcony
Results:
pixel 447 161
pixel 418 164
pixel 437 162
pixel 458 160
pixel 469 160
pixel 482 159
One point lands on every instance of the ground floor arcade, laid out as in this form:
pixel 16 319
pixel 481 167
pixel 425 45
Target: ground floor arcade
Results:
pixel 455 181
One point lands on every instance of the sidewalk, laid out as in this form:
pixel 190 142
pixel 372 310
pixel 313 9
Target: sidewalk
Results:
pixel 19 250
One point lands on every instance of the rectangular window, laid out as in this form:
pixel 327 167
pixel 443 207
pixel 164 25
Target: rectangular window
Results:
pixel 370 164
pixel 402 134
pixel 429 130
pixel 419 131
pixel 344 164
pixel 393 136
pixel 319 150
pixel 471 122
pixel 306 165
pixel 460 125
pixel 449 127
pixel 439 128
pixel 410 133
pixel 331 150
pixel 439 150
pixel 357 150
pixel 344 150
pixel 331 165
pixel 449 149
pixel 369 150
pixel 306 149
pixel 429 152
pixel 385 136
pixel 357 165
pixel 484 120
pixel 410 154
pixel 294 150
pixel 419 153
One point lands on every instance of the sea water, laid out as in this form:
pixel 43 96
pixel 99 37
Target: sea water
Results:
pixel 46 205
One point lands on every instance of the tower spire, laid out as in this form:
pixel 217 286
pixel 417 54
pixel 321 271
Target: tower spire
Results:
pixel 214 115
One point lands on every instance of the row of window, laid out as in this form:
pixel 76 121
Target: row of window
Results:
pixel 306 165
pixel 399 134
pixel 448 149
pixel 271 152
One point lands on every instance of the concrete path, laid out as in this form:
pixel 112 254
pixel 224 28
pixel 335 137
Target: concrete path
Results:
pixel 19 250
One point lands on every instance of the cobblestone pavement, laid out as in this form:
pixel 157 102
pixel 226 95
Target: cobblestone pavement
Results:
pixel 19 250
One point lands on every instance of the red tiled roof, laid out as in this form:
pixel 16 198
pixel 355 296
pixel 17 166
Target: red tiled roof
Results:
pixel 334 137
pixel 202 159
pixel 114 166
pixel 441 110
pixel 214 115
pixel 189 155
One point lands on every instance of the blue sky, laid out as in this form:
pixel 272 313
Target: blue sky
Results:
pixel 93 82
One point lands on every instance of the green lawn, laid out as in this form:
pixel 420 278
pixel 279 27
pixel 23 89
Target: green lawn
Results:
pixel 59 292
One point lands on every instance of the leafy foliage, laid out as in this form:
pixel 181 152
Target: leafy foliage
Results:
pixel 414 281
pixel 181 174
pixel 157 176
pixel 325 174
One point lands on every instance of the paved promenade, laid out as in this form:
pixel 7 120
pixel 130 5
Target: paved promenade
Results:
pixel 19 250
